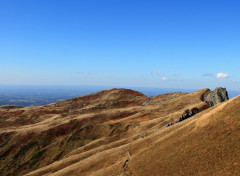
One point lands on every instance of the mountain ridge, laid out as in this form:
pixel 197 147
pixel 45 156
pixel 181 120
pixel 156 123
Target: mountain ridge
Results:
pixel 97 134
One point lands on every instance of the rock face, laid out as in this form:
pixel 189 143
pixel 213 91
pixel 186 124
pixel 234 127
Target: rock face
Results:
pixel 187 114
pixel 215 97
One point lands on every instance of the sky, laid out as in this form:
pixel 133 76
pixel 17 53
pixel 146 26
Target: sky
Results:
pixel 141 43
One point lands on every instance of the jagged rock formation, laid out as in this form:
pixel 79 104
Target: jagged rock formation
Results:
pixel 187 114
pixel 217 96
pixel 123 132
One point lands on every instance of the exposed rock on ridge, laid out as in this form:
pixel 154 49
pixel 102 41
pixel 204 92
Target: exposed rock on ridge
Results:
pixel 217 96
pixel 212 98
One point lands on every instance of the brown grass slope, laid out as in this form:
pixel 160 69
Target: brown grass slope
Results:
pixel 121 132
pixel 208 144
pixel 34 137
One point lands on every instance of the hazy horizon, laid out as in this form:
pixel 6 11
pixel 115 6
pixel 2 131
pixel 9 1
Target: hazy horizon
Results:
pixel 107 86
pixel 33 95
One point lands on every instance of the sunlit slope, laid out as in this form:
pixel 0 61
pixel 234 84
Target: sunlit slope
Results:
pixel 112 132
pixel 208 144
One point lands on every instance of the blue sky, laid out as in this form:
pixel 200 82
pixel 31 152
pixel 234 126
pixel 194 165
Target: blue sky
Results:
pixel 141 43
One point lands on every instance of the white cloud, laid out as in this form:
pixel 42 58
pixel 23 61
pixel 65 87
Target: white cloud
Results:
pixel 223 75
pixel 164 78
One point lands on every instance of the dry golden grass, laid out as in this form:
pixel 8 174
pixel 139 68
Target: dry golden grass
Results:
pixel 115 132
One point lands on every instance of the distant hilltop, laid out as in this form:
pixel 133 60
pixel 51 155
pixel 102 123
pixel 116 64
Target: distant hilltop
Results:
pixel 41 95
pixel 123 132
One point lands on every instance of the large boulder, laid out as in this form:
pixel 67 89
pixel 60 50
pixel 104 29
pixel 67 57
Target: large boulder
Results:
pixel 215 97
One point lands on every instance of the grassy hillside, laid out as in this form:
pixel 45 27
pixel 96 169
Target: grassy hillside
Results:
pixel 122 132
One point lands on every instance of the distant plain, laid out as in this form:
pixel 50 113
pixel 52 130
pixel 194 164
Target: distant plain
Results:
pixel 28 95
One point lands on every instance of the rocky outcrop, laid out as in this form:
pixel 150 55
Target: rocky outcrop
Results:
pixel 187 114
pixel 217 96
pixel 212 98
